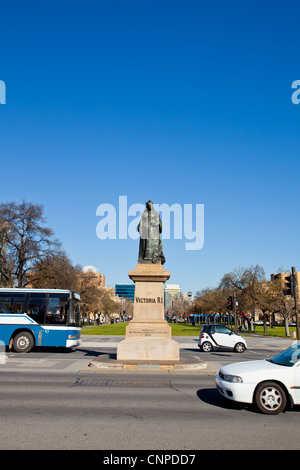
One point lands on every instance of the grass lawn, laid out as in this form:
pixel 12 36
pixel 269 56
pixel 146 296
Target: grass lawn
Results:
pixel 178 329
pixel 276 331
pixel 116 329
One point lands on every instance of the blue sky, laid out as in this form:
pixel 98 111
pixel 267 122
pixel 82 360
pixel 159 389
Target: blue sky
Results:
pixel 184 102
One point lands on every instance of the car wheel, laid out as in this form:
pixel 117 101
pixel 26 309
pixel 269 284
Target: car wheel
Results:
pixel 23 342
pixel 239 347
pixel 206 346
pixel 270 398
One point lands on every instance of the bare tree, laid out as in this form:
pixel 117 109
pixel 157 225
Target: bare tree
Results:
pixel 24 241
pixel 283 305
pixel 211 302
pixel 54 272
pixel 246 283
pixel 265 300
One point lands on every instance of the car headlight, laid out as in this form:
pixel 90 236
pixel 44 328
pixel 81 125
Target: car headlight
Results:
pixel 231 378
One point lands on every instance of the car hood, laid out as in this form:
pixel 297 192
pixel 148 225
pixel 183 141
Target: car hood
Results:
pixel 249 368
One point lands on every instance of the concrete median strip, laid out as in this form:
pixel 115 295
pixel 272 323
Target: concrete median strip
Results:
pixel 107 362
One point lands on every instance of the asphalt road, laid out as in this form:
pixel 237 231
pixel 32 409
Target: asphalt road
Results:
pixel 50 400
pixel 132 412
pixel 61 360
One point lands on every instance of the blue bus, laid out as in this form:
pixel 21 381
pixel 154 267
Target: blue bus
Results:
pixel 39 317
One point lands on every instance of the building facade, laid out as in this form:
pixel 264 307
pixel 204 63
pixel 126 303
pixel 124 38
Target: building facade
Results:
pixel 284 278
pixel 172 292
pixel 90 274
pixel 125 291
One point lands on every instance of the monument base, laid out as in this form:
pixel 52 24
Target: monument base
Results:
pixel 148 349
pixel 148 335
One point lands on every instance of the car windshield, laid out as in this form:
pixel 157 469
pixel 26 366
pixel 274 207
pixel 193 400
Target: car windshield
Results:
pixel 288 358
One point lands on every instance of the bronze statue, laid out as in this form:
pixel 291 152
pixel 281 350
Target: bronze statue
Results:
pixel 150 227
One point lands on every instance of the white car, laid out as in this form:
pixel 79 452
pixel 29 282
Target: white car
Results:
pixel 216 336
pixel 270 384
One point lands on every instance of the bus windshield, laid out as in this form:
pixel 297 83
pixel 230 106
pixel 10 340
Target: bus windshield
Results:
pixel 75 314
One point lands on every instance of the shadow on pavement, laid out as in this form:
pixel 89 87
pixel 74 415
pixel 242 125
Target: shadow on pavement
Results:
pixel 211 396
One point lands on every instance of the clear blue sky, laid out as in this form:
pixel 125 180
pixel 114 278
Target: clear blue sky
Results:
pixel 183 102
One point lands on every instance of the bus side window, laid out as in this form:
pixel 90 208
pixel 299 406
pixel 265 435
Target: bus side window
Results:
pixel 57 310
pixel 5 305
pixel 17 303
pixel 37 308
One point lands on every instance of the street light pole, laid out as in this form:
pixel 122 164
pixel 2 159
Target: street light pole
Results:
pixel 234 312
pixel 295 292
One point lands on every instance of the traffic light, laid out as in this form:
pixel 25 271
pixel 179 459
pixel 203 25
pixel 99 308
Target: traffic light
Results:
pixel 289 285
pixel 229 303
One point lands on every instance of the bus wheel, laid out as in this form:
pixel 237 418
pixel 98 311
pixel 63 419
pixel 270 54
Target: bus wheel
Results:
pixel 23 342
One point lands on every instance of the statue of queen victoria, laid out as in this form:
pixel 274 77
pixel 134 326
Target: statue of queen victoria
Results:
pixel 150 228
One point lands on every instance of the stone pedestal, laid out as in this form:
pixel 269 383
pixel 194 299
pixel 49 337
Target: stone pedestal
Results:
pixel 148 335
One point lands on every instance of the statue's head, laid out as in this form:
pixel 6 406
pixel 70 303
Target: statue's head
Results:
pixel 149 205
